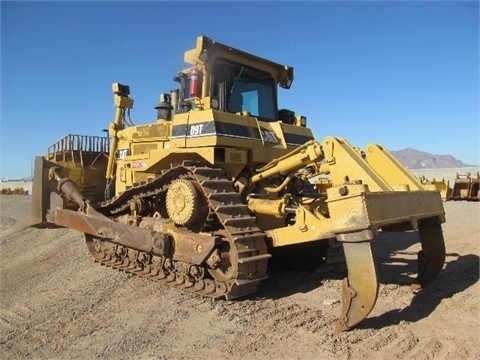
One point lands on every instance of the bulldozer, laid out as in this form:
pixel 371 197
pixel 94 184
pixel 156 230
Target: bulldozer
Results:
pixel 201 197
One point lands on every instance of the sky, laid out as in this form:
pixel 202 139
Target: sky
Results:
pixel 400 74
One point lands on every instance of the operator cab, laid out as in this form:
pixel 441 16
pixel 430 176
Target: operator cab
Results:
pixel 242 89
pixel 230 80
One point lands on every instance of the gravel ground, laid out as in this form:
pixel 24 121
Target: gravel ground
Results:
pixel 56 303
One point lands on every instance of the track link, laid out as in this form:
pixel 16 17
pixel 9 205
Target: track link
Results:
pixel 247 251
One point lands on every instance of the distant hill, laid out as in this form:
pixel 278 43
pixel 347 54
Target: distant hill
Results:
pixel 415 159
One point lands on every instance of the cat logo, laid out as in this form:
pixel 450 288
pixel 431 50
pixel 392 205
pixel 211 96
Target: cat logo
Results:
pixel 122 154
pixel 269 136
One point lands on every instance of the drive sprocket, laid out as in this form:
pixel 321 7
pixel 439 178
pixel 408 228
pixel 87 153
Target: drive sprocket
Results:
pixel 185 204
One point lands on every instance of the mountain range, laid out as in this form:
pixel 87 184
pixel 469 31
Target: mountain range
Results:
pixel 416 159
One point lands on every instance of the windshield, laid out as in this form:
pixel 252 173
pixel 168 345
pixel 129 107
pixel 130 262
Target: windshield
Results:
pixel 254 97
pixel 241 88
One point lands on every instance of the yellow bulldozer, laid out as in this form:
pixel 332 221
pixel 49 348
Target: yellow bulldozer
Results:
pixel 200 198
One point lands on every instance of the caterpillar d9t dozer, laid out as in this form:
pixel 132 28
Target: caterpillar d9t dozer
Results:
pixel 200 198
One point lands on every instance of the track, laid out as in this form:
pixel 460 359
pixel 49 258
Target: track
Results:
pixel 243 250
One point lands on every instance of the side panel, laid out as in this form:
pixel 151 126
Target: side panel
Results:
pixel 230 141
pixel 209 128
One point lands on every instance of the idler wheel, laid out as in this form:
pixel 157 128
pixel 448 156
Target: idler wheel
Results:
pixel 185 203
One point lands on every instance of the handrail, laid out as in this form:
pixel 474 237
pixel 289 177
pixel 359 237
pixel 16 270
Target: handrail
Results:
pixel 82 143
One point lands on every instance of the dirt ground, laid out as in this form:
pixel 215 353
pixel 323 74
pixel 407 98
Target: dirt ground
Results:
pixel 56 303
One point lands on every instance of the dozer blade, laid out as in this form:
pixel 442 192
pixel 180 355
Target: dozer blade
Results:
pixel 41 190
pixel 432 256
pixel 360 288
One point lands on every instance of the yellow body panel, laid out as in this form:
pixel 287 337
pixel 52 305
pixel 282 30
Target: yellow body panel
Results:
pixel 145 149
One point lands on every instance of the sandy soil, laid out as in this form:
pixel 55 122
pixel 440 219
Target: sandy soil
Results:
pixel 56 303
